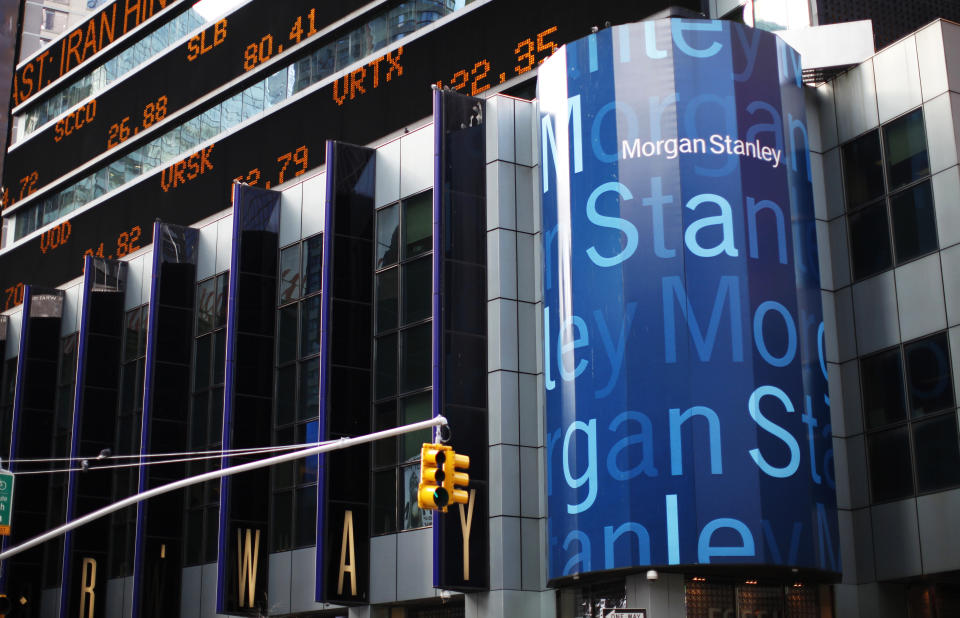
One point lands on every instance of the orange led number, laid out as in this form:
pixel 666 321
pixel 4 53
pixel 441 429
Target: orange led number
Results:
pixel 14 296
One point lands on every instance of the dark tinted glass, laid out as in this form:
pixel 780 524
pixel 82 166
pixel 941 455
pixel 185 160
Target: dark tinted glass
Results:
pixel 312 264
pixel 281 520
pixel 385 417
pixel 289 284
pixel 416 357
pixel 388 221
pixel 206 305
pixel 882 381
pixel 417 289
pixel 386 367
pixel 906 148
pixel 914 222
pixel 309 389
pixel 287 334
pixel 384 501
pixel 891 473
pixel 415 409
pixel 201 375
pixel 387 300
pixel 306 524
pixel 863 170
pixel 310 326
pixel 929 383
pixel 869 241
pixel 286 394
pixel 937 452
pixel 418 225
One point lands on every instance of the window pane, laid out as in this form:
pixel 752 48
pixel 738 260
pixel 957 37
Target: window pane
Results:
pixel 310 326
pixel 206 305
pixel 906 149
pixel 418 224
pixel 417 355
pixel 411 514
pixel 929 384
pixel 384 501
pixel 281 521
pixel 220 318
pixel 869 241
pixel 386 367
pixel 388 221
pixel 938 453
pixel 417 290
pixel 882 381
pixel 309 389
pixel 276 87
pixel 290 274
pixel 306 525
pixel 286 394
pixel 891 474
pixel 385 417
pixel 415 409
pixel 201 374
pixel 914 223
pixel 230 111
pixel 387 300
pixel 312 264
pixel 863 170
pixel 287 334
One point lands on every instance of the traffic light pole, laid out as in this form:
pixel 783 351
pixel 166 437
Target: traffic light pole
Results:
pixel 325 447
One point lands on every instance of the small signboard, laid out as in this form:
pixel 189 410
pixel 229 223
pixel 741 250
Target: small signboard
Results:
pixel 627 613
pixel 6 501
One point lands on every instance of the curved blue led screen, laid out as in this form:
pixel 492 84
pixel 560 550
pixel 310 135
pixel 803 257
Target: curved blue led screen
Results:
pixel 688 416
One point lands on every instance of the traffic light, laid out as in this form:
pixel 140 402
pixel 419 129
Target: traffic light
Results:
pixel 431 493
pixel 454 478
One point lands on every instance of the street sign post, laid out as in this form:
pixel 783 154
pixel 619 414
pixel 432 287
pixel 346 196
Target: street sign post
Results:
pixel 627 613
pixel 6 501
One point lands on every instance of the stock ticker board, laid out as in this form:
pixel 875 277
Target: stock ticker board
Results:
pixel 483 46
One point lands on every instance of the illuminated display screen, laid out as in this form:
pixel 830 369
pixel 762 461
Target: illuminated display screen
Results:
pixel 83 42
pixel 216 55
pixel 483 47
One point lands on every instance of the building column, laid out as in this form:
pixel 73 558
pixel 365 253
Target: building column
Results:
pixel 663 598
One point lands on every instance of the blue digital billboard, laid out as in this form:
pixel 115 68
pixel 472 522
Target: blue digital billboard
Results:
pixel 688 416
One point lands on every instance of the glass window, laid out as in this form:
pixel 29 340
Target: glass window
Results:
pixel 882 379
pixel 905 145
pixel 914 222
pixel 386 292
pixel 891 472
pixel 387 230
pixel 869 241
pixel 929 383
pixel 417 225
pixel 937 453
pixel 417 289
pixel 863 170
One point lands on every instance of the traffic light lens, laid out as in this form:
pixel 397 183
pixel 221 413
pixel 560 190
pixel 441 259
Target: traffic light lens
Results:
pixel 440 497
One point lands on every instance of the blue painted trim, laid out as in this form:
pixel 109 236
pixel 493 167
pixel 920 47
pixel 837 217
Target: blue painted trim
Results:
pixel 326 301
pixel 145 417
pixel 437 324
pixel 17 403
pixel 88 279
pixel 228 386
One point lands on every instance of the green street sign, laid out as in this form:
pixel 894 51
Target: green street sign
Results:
pixel 6 501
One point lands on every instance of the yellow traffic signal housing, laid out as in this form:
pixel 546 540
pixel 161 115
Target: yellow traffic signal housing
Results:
pixel 456 481
pixel 432 493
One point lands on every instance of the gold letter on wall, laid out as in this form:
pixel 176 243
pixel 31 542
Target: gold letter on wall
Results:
pixel 345 568
pixel 88 581
pixel 247 565
pixel 466 522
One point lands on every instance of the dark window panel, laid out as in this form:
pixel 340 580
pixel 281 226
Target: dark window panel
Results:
pixel 411 515
pixel 891 473
pixel 863 170
pixel 929 382
pixel 201 366
pixel 413 410
pixel 282 521
pixel 306 524
pixel 385 417
pixel 388 229
pixel 905 144
pixel 309 389
pixel 386 367
pixel 384 501
pixel 312 264
pixel 914 222
pixel 937 452
pixel 286 394
pixel 289 281
pixel 387 299
pixel 206 306
pixel 417 290
pixel 418 225
pixel 416 358
pixel 881 377
pixel 287 334
pixel 869 241
pixel 310 326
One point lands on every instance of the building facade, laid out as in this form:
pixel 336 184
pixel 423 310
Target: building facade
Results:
pixel 230 233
